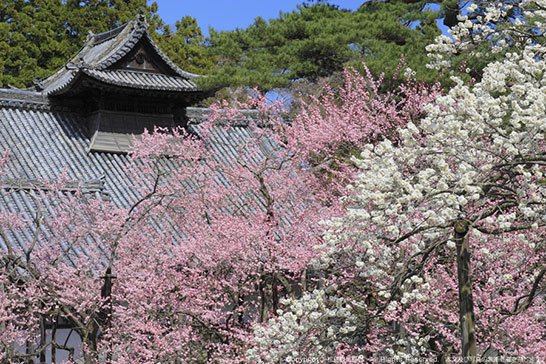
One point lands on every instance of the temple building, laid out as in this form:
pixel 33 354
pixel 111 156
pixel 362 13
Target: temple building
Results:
pixel 83 120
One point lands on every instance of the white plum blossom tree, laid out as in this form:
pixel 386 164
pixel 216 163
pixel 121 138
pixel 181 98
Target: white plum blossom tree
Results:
pixel 442 248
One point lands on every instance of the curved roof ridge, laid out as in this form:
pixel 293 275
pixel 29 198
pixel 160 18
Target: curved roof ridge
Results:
pixel 141 28
pixel 109 34
pixel 102 51
pixel 24 99
pixel 67 73
pixel 138 27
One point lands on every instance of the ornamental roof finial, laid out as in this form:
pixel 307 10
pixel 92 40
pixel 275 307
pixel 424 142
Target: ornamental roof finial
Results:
pixel 141 17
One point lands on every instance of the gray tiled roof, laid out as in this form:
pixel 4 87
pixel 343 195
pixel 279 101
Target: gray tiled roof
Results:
pixel 44 143
pixel 103 50
pixel 23 197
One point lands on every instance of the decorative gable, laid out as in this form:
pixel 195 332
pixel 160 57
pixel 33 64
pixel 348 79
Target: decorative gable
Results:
pixel 142 60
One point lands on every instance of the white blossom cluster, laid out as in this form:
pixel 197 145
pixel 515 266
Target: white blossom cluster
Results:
pixel 408 197
pixel 309 329
pixel 499 23
pixel 471 136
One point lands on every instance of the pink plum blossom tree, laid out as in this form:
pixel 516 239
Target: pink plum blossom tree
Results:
pixel 224 229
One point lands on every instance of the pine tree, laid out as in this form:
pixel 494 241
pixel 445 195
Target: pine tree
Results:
pixel 184 45
pixel 317 41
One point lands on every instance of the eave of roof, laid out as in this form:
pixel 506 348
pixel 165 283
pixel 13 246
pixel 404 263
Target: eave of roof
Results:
pixel 143 81
pixel 123 84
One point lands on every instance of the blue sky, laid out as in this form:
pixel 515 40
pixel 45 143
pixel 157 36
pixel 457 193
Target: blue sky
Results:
pixel 230 14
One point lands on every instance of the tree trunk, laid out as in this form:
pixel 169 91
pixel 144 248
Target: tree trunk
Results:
pixel 42 339
pixel 54 339
pixel 262 304
pixel 6 346
pixel 274 293
pixel 466 305
pixel 90 355
pixel 30 351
